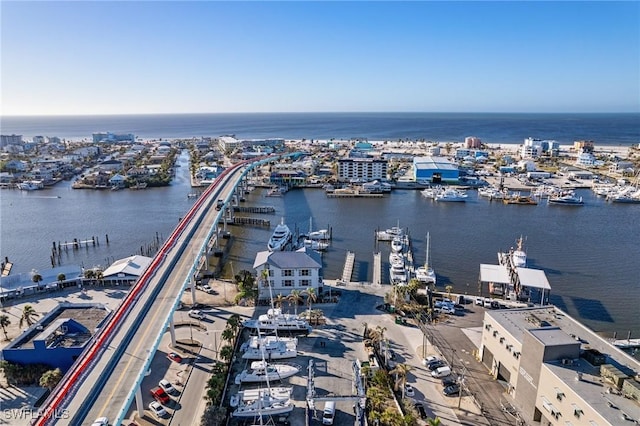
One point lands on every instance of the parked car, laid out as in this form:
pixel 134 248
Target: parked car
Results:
pixel 158 410
pixel 408 390
pixel 207 288
pixel 441 372
pixel 451 390
pixel 428 360
pixel 160 395
pixel 101 421
pixel 449 380
pixel 195 313
pixel 167 387
pixel 436 364
pixel 421 411
pixel 174 357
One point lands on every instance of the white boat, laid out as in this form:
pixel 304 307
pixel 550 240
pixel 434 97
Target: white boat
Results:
pixel 261 371
pixel 275 320
pixel 430 192
pixel 269 348
pixel 390 233
pixel 256 403
pixel 516 258
pixel 425 274
pixel 31 185
pixel 280 237
pixel 397 244
pixel 317 245
pixel 491 192
pixel 451 195
pixel 566 199
pixel 396 259
pixel 397 269
pixel 319 235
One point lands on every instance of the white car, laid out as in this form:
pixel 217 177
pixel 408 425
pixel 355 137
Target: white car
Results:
pixel 207 288
pixel 167 387
pixel 194 313
pixel 428 360
pixel 101 421
pixel 158 410
pixel 408 390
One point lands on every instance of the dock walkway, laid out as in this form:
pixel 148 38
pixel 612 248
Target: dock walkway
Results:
pixel 349 261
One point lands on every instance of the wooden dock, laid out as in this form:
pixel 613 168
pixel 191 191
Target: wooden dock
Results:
pixel 251 221
pixel 349 261
pixel 254 209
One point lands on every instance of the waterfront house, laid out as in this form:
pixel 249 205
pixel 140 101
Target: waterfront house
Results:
pixel 127 270
pixel 288 270
pixel 117 181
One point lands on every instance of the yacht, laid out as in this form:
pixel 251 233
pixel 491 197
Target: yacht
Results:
pixel 397 244
pixel 425 274
pixel 261 371
pixel 397 269
pixel 280 237
pixel 451 195
pixel 516 258
pixel 319 235
pixel 491 192
pixel 567 199
pixel 269 347
pixel 30 185
pixel 256 403
pixel 275 320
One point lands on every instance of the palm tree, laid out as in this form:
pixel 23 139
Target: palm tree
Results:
pixel 401 371
pixel 4 323
pixel 234 322
pixel 36 278
pixel 61 278
pixel 279 300
pixel 28 314
pixel 434 422
pixel 449 289
pixel 228 334
pixel 226 352
pixel 295 297
pixel 311 297
pixel 51 378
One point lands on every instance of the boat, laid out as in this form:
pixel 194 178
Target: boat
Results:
pixel 30 185
pixel 397 269
pixel 390 233
pixel 514 258
pixel 451 195
pixel 316 245
pixel 520 200
pixel 319 235
pixel 397 244
pixel 139 185
pixel 491 192
pixel 425 274
pixel 261 371
pixel 277 191
pixel 430 192
pixel 255 403
pixel 280 237
pixel 275 320
pixel 269 347
pixel 566 199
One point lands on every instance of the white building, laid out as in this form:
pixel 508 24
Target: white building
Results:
pixel 127 270
pixel 288 270
pixel 558 372
pixel 585 159
pixel 363 169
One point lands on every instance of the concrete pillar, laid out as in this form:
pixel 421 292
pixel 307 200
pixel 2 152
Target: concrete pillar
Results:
pixel 192 283
pixel 139 402
pixel 172 331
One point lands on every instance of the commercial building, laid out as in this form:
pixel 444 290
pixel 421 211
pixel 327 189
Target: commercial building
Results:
pixel 127 270
pixel 558 372
pixel 435 170
pixel 10 140
pixel 362 169
pixel 59 337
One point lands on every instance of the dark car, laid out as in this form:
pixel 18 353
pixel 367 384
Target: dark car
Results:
pixel 436 364
pixel 421 411
pixel 449 381
pixel 451 390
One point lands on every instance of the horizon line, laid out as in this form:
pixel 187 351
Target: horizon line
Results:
pixel 310 112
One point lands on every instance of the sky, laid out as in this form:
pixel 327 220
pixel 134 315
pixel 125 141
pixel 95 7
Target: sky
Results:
pixel 126 57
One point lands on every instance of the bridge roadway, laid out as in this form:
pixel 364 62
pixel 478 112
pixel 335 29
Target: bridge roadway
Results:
pixel 106 382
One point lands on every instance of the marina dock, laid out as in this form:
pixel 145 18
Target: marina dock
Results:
pixel 349 261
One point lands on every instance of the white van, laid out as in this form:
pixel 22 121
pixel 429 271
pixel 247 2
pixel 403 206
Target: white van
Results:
pixel 329 413
pixel 441 372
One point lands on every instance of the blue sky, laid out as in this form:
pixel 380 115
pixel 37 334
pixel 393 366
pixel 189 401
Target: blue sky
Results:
pixel 168 57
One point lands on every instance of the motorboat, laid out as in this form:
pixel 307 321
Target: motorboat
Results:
pixel 397 244
pixel 319 235
pixel 430 192
pixel 390 233
pixel 451 195
pixel 516 258
pixel 261 371
pixel 396 259
pixel 30 185
pixel 491 192
pixel 256 403
pixel 269 348
pixel 566 199
pixel 276 320
pixel 397 269
pixel 317 245
pixel 425 274
pixel 280 237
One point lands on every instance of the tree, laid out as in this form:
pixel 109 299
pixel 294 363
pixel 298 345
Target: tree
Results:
pixel 449 289
pixel 366 330
pixel 61 278
pixel 28 315
pixel 51 378
pixel 311 297
pixel 228 334
pixel 279 300
pixel 295 297
pixel 226 353
pixel 401 371
pixel 434 422
pixel 4 323
pixel 36 278
pixel 234 322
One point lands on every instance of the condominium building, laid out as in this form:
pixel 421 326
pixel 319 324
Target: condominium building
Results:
pixel 363 169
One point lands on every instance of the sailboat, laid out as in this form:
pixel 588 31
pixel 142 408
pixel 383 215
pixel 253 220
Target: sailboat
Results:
pixel 426 274
pixel 260 402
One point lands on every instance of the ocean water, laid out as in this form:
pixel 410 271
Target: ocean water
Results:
pixel 507 128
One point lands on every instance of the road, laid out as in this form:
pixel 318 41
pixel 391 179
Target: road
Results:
pixel 108 387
